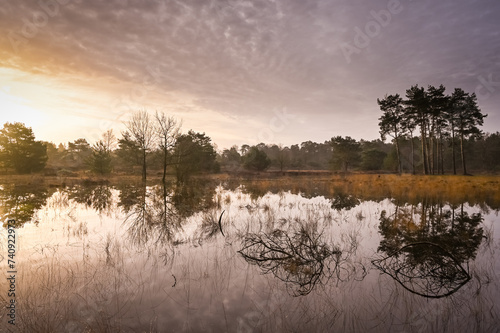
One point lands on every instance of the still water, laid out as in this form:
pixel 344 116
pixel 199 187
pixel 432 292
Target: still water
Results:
pixel 236 257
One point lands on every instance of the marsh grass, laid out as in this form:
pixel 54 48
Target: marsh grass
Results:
pixel 366 185
pixel 97 293
pixel 409 188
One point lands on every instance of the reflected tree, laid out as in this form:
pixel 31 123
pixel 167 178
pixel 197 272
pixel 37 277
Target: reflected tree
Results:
pixel 425 269
pixel 166 218
pixel 22 202
pixel 130 196
pixel 140 214
pixel 344 201
pixel 192 197
pixel 454 229
pixel 426 246
pixel 255 191
pixel 96 197
pixel 155 214
pixel 300 258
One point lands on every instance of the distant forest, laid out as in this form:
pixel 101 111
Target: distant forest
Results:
pixel 430 133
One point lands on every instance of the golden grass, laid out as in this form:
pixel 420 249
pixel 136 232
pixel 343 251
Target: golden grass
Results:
pixel 411 188
pixel 37 179
pixel 454 189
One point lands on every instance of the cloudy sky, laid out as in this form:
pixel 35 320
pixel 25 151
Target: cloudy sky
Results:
pixel 273 71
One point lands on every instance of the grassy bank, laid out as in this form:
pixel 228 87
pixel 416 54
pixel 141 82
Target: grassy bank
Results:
pixel 367 186
pixel 411 188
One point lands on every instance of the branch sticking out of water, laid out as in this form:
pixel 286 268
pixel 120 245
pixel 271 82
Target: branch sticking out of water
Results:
pixel 220 224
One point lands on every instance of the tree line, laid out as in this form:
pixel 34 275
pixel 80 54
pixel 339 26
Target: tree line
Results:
pixel 428 130
pixel 146 141
pixel 441 120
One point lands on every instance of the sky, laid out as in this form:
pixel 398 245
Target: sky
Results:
pixel 243 72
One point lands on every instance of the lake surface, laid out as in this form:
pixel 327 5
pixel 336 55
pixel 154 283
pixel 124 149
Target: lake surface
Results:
pixel 249 257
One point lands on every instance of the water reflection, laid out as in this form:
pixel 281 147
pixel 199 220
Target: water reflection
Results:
pixel 427 245
pixel 130 196
pixel 298 258
pixel 425 269
pixel 192 197
pixel 170 257
pixel 98 197
pixel 342 200
pixel 22 202
pixel 155 214
pixel 209 227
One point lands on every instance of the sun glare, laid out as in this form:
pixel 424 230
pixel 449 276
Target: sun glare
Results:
pixel 56 109
pixel 17 109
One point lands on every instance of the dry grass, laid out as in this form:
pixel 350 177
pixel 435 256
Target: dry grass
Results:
pixel 86 295
pixel 361 185
pixel 407 188
pixel 58 181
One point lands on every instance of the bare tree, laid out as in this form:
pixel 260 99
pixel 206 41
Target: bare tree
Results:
pixel 142 130
pixel 109 140
pixel 167 130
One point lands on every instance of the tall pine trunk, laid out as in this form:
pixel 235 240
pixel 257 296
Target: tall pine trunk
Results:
pixel 441 152
pixel 453 151
pixel 399 156
pixel 427 156
pixel 431 148
pixel 412 154
pixel 431 154
pixel 462 153
pixel 396 137
pixel 424 155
